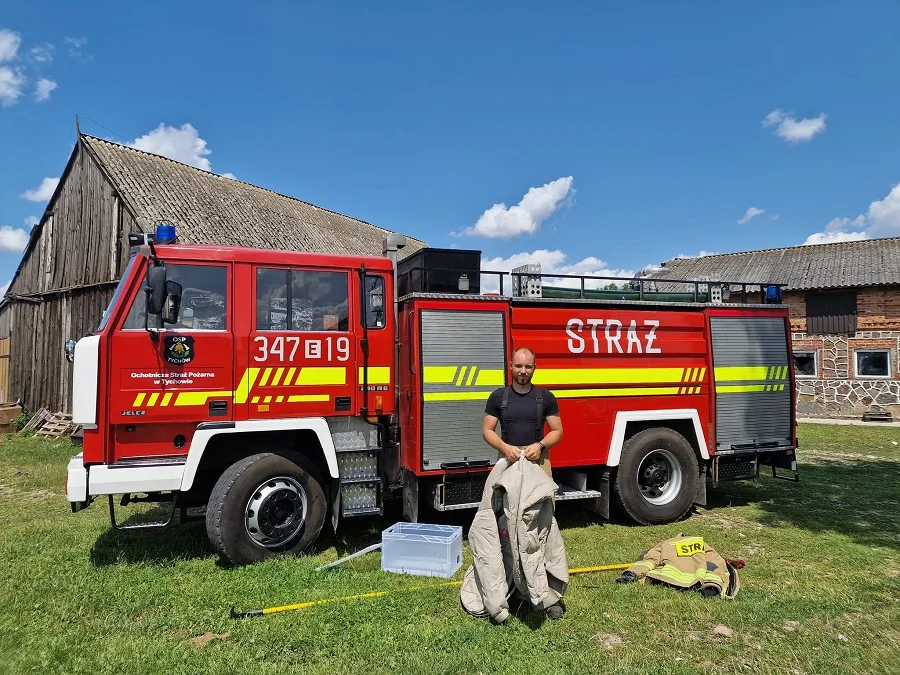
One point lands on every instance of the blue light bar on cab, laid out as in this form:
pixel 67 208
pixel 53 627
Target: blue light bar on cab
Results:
pixel 165 233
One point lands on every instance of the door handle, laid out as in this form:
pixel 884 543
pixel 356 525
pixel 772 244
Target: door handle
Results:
pixel 218 408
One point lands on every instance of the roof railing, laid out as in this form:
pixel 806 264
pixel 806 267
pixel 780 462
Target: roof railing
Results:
pixel 586 286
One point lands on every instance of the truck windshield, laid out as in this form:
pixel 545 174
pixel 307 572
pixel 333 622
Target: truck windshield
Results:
pixel 117 294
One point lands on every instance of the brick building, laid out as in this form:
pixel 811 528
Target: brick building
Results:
pixel 844 302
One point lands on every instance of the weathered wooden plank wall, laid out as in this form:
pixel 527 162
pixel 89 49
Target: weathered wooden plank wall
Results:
pixel 65 283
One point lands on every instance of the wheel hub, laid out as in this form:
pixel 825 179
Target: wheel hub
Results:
pixel 660 477
pixel 276 512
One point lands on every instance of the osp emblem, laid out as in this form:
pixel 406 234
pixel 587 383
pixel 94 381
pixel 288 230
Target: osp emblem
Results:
pixel 179 349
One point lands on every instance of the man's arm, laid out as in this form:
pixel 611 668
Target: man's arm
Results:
pixel 492 438
pixel 554 436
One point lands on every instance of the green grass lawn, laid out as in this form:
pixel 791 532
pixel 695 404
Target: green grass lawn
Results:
pixel 820 590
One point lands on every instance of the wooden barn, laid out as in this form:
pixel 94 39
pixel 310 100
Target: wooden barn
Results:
pixel 77 252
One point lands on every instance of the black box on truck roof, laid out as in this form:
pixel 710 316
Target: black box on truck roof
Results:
pixel 440 270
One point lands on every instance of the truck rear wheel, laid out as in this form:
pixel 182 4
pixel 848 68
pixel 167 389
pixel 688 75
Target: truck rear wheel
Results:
pixel 657 477
pixel 265 505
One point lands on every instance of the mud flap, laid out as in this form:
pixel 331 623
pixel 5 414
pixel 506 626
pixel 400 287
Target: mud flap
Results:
pixel 600 506
pixel 410 497
pixel 335 502
pixel 700 497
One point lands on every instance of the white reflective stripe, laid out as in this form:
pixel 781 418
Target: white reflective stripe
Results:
pixel 202 437
pixel 661 416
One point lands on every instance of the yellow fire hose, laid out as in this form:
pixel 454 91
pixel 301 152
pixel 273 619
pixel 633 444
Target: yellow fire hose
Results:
pixel 378 594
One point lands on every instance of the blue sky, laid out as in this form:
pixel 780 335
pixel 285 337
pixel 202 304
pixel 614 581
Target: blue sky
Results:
pixel 584 137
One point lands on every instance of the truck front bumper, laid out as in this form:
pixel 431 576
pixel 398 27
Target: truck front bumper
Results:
pixel 76 483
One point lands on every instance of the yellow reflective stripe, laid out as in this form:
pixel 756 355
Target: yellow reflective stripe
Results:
pixel 245 385
pixel 471 376
pixel 152 400
pixel 279 399
pixel 200 397
pixel 462 375
pixel 677 575
pixel 598 393
pixel 278 373
pixel 744 388
pixel 255 399
pixel 289 376
pixel 608 375
pixel 305 398
pixel 138 400
pixel 267 399
pixel 439 374
pixel 165 399
pixel 490 378
pixel 750 373
pixel 321 376
pixel 377 374
pixel 265 378
pixel 645 563
pixel 457 396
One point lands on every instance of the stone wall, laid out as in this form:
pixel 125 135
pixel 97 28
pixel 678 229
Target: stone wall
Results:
pixel 837 391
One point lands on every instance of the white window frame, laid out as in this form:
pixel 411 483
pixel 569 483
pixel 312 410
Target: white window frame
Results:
pixel 890 358
pixel 815 375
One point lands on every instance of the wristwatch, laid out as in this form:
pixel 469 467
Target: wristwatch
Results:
pixel 543 447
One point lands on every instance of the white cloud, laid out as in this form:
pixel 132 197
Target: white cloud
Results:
pixel 833 237
pixel 42 192
pixel 9 44
pixel 43 53
pixel 538 204
pixel 43 89
pixel 884 215
pixel 881 220
pixel 702 254
pixel 552 262
pixel 751 213
pixel 4 288
pixel 13 239
pixel 228 174
pixel 75 44
pixel 183 144
pixel 793 130
pixel 31 221
pixel 11 83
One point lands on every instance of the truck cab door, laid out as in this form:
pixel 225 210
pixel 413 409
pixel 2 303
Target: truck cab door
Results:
pixel 301 360
pixel 163 384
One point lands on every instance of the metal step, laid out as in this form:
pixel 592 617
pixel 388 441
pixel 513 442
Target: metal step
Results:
pixel 564 493
pixel 131 462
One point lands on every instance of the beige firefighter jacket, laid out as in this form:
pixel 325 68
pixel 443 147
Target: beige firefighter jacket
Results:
pixel 687 562
pixel 515 542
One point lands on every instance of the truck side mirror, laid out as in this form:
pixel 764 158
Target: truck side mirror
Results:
pixel 156 281
pixel 172 305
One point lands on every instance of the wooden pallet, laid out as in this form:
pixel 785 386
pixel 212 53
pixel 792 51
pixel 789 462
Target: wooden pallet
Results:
pixel 59 424
pixel 39 418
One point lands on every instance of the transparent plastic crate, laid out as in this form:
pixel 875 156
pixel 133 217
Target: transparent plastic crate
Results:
pixel 422 549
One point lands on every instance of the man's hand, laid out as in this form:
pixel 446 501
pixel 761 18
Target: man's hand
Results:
pixel 533 452
pixel 511 452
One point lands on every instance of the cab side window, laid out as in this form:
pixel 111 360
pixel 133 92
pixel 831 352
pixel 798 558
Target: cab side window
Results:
pixel 301 300
pixel 204 299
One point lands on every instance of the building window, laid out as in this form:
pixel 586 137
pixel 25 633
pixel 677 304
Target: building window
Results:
pixel 204 299
pixel 805 364
pixel 318 301
pixel 831 313
pixel 873 362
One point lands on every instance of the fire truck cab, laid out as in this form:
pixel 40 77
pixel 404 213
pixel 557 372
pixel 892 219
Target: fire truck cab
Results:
pixel 283 390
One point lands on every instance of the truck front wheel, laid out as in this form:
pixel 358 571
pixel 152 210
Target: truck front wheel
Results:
pixel 265 505
pixel 657 477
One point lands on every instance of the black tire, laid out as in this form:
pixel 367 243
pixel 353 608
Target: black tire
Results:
pixel 657 477
pixel 280 483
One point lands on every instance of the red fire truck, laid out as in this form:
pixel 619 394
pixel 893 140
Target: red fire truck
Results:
pixel 282 390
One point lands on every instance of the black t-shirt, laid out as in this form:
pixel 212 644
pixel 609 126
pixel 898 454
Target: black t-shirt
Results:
pixel 521 411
